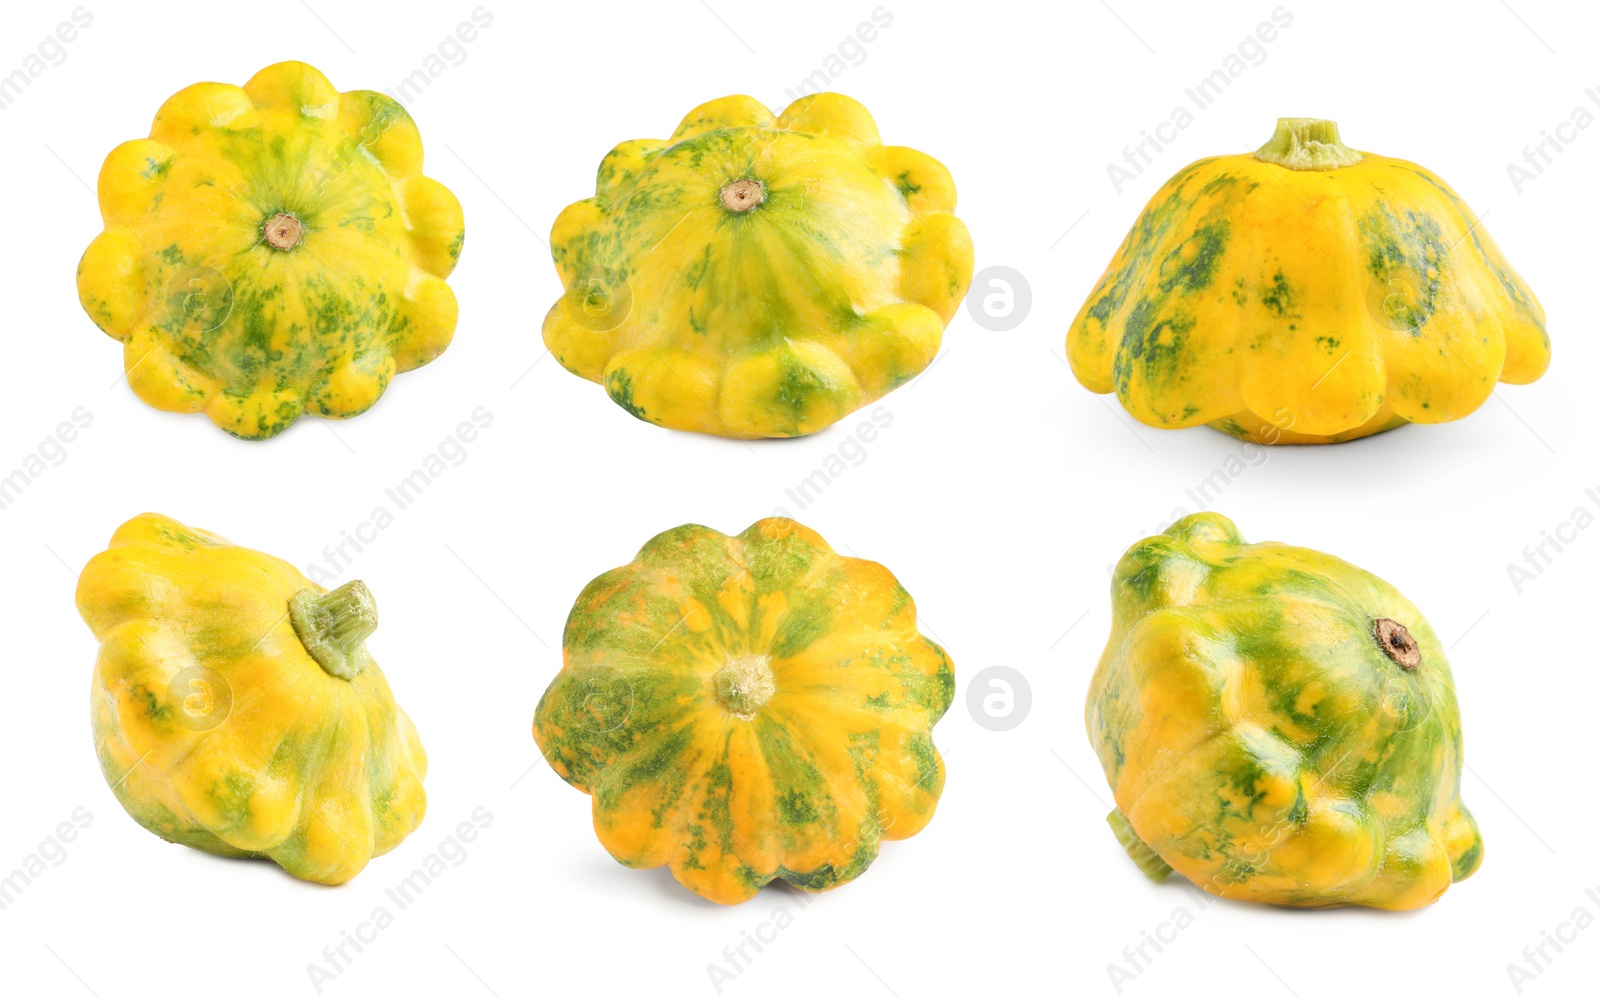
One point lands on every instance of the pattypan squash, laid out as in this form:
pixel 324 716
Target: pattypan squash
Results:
pixel 1306 293
pixel 747 708
pixel 236 709
pixel 756 276
pixel 1278 726
pixel 272 250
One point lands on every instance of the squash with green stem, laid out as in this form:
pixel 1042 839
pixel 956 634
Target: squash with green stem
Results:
pixel 748 708
pixel 271 250
pixel 758 275
pixel 236 709
pixel 1278 726
pixel 1306 293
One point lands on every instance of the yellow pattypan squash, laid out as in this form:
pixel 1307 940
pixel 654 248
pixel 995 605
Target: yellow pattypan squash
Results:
pixel 748 708
pixel 272 250
pixel 1278 726
pixel 756 276
pixel 236 709
pixel 1306 293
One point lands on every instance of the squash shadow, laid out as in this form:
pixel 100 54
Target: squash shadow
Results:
pixel 663 885
pixel 1177 885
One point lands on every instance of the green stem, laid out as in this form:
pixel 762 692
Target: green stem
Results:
pixel 1149 862
pixel 740 196
pixel 283 231
pixel 335 626
pixel 1307 144
pixel 744 683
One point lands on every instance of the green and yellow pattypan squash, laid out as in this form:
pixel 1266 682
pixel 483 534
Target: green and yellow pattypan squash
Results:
pixel 748 708
pixel 272 250
pixel 1278 726
pixel 758 276
pixel 1306 293
pixel 236 709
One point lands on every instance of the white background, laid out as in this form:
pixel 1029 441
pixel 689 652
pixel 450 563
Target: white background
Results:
pixel 999 495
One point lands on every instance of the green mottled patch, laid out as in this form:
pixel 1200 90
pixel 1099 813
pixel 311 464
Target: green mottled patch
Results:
pixel 1151 343
pixel 920 748
pixel 1510 283
pixel 231 795
pixel 1231 427
pixel 1191 267
pixel 152 706
pixel 801 790
pixel 1406 254
pixel 1278 296
pixel 619 386
pixel 634 715
pixel 804 622
pixel 715 811
pixel 1463 866
pixel 1354 731
pixel 1152 337
pixel 655 761
pixel 827 876
pixel 796 809
pixel 932 693
pixel 798 390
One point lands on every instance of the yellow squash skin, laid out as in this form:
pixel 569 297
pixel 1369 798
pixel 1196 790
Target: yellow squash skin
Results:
pixel 1278 726
pixel 747 708
pixel 756 276
pixel 218 729
pixel 212 315
pixel 1306 303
